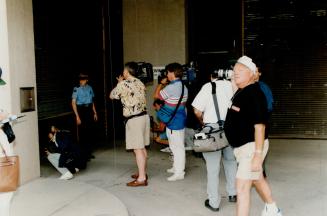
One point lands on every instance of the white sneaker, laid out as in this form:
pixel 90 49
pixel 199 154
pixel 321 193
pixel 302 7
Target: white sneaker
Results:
pixel 166 150
pixel 266 212
pixel 176 177
pixel 171 170
pixel 68 175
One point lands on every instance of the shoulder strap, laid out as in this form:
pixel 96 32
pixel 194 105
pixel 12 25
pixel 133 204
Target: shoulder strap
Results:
pixel 215 101
pixel 178 104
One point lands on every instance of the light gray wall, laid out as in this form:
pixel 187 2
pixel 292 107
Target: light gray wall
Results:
pixel 154 31
pixel 17 59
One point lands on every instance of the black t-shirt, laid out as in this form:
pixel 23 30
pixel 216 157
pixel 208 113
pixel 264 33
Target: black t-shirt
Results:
pixel 249 107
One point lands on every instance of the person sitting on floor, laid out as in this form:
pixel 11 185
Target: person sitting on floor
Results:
pixel 63 154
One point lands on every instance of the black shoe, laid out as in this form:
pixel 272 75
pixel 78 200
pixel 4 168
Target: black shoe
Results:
pixel 206 204
pixel 92 157
pixel 232 198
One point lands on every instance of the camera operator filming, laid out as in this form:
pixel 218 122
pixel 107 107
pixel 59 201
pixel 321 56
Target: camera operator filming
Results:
pixel 131 91
pixel 173 114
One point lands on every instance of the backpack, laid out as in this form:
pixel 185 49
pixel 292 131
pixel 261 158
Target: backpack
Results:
pixel 268 94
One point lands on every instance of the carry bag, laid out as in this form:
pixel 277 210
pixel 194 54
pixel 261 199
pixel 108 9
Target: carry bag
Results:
pixel 7 129
pixel 9 172
pixel 165 115
pixel 212 136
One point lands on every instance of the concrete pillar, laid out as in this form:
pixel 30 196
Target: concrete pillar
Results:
pixel 17 60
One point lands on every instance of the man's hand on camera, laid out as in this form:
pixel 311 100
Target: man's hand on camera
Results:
pixel 120 78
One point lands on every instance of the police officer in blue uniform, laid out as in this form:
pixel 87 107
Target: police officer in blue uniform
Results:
pixel 85 113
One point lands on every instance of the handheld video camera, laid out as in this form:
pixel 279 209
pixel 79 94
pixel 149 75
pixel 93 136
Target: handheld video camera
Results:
pixel 163 75
pixel 145 72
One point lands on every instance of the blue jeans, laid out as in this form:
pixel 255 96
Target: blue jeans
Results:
pixel 213 168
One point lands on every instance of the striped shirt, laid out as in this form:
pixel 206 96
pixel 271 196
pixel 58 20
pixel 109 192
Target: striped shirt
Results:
pixel 171 95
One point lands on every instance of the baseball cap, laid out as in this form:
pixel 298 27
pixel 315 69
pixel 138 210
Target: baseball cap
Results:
pixel 246 61
pixel 2 82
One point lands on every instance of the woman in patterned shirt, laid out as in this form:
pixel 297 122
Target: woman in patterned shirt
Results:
pixel 131 92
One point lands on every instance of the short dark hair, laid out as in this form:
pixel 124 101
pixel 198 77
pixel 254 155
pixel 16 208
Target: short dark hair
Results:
pixel 131 67
pixel 176 68
pixel 83 76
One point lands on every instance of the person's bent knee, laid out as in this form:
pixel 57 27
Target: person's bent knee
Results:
pixel 258 181
pixel 50 156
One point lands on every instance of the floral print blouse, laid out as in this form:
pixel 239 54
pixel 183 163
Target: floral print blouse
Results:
pixel 131 92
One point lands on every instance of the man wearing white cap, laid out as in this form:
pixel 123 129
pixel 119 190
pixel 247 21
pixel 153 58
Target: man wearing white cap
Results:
pixel 246 130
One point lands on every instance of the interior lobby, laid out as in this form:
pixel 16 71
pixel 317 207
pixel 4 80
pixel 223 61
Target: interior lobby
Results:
pixel 46 44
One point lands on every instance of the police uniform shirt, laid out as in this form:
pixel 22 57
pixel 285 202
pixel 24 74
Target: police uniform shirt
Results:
pixel 83 95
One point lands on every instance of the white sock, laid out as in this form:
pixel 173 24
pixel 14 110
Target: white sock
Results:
pixel 271 207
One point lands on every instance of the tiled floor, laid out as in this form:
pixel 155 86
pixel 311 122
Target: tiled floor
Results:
pixel 297 172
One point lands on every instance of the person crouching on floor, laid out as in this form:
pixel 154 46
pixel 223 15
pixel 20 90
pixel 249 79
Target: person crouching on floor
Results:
pixel 63 155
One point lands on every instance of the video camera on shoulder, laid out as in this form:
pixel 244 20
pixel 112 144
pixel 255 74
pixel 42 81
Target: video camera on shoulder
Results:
pixel 145 72
pixel 163 75
pixel 223 74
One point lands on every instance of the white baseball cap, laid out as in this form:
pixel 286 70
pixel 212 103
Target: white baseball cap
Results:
pixel 246 61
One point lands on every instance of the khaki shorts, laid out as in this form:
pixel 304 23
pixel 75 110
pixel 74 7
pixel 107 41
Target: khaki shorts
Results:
pixel 138 132
pixel 244 155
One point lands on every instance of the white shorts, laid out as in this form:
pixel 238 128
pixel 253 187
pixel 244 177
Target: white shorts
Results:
pixel 138 132
pixel 244 155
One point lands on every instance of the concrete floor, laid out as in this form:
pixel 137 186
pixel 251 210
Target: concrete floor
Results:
pixel 296 169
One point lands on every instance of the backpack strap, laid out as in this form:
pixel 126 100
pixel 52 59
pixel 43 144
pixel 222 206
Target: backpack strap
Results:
pixel 178 104
pixel 215 101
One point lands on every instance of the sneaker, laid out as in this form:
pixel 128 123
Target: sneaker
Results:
pixel 232 199
pixel 266 212
pixel 68 175
pixel 176 177
pixel 171 170
pixel 166 150
pixel 171 158
pixel 207 204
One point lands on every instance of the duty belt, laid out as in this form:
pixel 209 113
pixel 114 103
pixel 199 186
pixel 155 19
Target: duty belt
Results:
pixel 84 105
